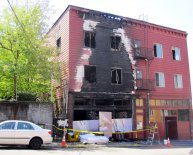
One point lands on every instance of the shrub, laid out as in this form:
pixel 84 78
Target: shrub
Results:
pixel 23 96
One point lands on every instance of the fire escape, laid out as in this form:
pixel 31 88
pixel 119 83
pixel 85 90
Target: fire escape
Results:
pixel 143 83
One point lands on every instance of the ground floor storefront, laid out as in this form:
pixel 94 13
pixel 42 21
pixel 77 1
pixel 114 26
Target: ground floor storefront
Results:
pixel 173 117
pixel 86 106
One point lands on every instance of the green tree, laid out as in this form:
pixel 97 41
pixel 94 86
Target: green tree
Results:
pixel 24 54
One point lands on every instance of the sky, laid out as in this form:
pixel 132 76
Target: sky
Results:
pixel 177 14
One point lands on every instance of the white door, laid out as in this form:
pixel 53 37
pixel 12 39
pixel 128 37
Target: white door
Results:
pixel 7 133
pixel 23 133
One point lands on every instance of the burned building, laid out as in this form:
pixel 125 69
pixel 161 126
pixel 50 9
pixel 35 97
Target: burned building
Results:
pixel 129 67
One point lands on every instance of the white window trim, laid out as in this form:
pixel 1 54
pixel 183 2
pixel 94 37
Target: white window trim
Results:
pixel 179 83
pixel 161 49
pixel 161 83
pixel 174 48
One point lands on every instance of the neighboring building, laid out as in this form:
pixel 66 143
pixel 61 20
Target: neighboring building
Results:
pixel 129 67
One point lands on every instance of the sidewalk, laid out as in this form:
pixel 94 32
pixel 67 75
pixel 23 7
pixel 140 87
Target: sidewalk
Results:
pixel 174 143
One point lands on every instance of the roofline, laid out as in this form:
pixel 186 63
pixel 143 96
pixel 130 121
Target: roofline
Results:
pixel 125 18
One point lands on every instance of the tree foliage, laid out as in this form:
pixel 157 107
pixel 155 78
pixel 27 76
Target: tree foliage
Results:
pixel 24 54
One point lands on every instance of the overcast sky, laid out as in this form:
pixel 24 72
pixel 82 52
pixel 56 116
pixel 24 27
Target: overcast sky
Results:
pixel 176 14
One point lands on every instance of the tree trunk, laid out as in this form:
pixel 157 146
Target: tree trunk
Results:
pixel 15 85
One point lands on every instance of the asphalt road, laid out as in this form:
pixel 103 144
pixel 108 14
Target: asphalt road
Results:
pixel 98 150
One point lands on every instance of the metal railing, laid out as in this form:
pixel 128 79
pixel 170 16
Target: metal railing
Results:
pixel 145 84
pixel 143 53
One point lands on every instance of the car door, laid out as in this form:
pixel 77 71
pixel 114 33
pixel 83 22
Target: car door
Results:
pixel 7 133
pixel 23 133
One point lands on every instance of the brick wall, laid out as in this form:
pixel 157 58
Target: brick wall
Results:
pixel 149 35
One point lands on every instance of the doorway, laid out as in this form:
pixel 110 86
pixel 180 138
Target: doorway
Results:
pixel 171 128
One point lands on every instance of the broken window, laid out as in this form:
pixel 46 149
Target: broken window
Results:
pixel 137 44
pixel 160 80
pixel 90 74
pixel 79 102
pixel 183 115
pixel 137 47
pixel 121 114
pixel 178 81
pixel 58 43
pixel 176 53
pixel 104 102
pixel 139 74
pixel 115 42
pixel 80 115
pixel 89 40
pixel 116 76
pixel 158 52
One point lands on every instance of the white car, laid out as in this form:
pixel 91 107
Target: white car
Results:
pixel 16 132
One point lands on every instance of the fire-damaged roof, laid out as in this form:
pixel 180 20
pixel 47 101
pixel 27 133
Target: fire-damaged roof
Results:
pixel 124 20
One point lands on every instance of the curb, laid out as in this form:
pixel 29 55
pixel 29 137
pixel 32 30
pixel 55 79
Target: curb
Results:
pixel 120 144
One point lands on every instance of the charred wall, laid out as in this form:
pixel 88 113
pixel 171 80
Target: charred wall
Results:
pixel 102 44
pixel 104 58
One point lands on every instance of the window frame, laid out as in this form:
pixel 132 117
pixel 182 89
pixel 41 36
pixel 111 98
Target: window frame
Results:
pixel 137 44
pixel 58 43
pixel 160 83
pixel 90 41
pixel 22 123
pixel 117 43
pixel 139 74
pixel 183 115
pixel 12 128
pixel 156 50
pixel 121 74
pixel 178 81
pixel 137 47
pixel 175 53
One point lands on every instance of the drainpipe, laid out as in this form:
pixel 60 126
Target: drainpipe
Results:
pixel 133 113
pixel 148 110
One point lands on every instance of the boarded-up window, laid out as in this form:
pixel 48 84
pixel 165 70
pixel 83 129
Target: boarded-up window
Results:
pixel 139 121
pixel 139 102
pixel 90 73
pixel 115 42
pixel 116 76
pixel 89 40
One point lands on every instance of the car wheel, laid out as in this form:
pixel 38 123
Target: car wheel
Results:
pixel 35 143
